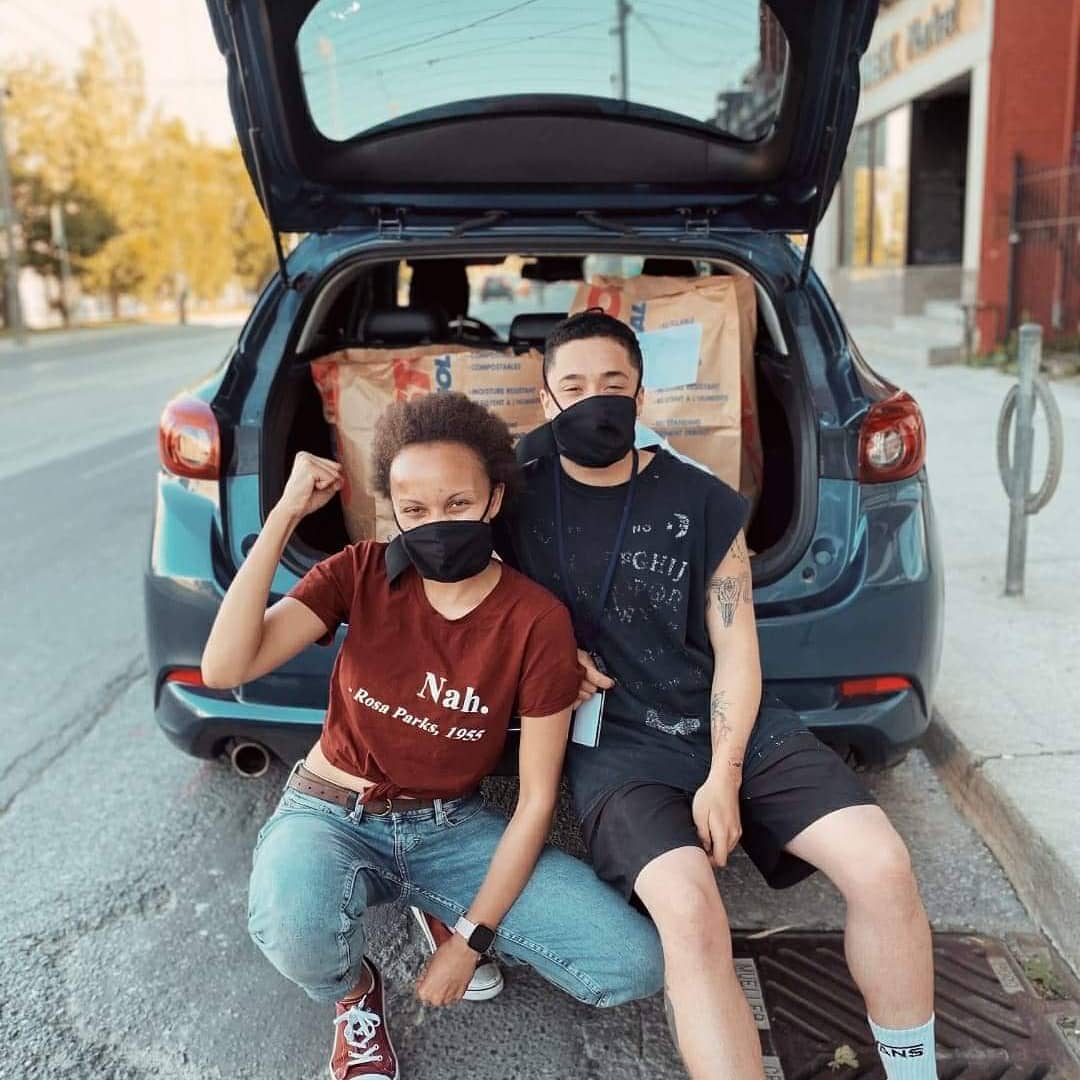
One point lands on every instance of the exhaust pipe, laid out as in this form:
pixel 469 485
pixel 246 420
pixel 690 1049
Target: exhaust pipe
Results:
pixel 249 759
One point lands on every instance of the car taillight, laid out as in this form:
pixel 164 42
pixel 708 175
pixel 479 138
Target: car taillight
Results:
pixel 892 440
pixel 189 442
pixel 187 676
pixel 875 686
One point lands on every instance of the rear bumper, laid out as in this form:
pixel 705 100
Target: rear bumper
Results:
pixel 201 724
pixel 879 733
pixel 876 734
pixel 874 607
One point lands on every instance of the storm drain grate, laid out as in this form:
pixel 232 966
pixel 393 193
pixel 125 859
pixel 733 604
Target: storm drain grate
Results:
pixel 1006 1010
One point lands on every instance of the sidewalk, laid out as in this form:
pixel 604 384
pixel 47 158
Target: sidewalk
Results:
pixel 1006 729
pixel 38 340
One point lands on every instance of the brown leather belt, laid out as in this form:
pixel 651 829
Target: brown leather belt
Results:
pixel 309 783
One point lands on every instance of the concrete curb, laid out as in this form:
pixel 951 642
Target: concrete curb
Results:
pixel 1047 886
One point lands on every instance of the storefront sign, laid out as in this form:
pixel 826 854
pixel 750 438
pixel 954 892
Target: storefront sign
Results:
pixel 938 25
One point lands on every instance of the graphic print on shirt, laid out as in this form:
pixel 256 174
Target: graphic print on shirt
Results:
pixel 680 524
pixel 649 598
pixel 652 638
pixel 655 562
pixel 687 725
pixel 434 689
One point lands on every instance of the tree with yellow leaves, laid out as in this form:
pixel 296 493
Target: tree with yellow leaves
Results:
pixel 165 217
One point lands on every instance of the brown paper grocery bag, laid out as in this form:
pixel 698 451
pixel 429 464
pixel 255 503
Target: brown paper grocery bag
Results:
pixel 357 384
pixel 713 420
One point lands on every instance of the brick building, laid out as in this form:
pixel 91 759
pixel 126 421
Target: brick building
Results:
pixel 955 93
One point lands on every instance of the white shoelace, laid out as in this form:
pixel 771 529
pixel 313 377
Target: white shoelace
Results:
pixel 360 1027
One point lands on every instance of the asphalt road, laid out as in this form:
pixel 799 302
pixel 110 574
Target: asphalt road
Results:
pixel 123 950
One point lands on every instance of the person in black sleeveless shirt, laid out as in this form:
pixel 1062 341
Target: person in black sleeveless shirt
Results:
pixel 693 756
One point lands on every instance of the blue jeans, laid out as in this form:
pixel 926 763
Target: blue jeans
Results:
pixel 317 867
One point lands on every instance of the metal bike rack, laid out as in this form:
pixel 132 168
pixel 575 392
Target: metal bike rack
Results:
pixel 1015 468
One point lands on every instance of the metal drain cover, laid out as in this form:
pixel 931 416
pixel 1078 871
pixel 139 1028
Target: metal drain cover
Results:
pixel 1006 1010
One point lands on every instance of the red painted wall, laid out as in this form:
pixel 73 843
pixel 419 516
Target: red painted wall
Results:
pixel 1034 89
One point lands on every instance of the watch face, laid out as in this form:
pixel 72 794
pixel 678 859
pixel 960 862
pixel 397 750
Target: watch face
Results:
pixel 483 937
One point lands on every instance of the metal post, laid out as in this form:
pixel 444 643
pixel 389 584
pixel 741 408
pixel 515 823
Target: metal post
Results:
pixel 12 307
pixel 622 10
pixel 59 238
pixel 1030 356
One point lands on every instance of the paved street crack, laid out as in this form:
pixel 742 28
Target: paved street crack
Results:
pixel 84 1053
pixel 58 743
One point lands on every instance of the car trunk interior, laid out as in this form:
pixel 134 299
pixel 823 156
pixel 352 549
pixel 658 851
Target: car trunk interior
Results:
pixel 483 301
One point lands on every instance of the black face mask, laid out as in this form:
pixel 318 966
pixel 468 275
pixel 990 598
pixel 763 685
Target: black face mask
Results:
pixel 446 550
pixel 596 432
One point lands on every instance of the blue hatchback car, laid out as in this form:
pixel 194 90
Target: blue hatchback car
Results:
pixel 410 189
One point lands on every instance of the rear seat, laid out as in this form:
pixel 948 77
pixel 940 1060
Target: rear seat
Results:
pixel 531 331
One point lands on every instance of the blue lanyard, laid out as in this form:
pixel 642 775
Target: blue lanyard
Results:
pixel 588 623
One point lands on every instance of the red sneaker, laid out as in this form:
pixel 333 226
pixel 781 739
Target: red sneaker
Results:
pixel 487 980
pixel 362 1046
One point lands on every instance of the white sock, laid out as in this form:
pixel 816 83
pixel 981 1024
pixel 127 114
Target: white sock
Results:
pixel 907 1053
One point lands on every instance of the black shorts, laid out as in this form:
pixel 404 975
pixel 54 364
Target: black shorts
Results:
pixel 800 782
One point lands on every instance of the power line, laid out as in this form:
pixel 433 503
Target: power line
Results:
pixel 712 23
pixel 569 71
pixel 416 67
pixel 516 41
pixel 439 36
pixel 665 48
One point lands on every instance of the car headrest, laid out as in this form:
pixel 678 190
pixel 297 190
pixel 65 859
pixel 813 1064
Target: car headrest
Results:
pixel 403 326
pixel 440 283
pixel 554 268
pixel 658 267
pixel 531 331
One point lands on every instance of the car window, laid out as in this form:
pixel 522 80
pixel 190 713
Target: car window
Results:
pixel 500 291
pixel 371 64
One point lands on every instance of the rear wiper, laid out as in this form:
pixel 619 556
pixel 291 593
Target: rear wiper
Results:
pixel 599 222
pixel 485 221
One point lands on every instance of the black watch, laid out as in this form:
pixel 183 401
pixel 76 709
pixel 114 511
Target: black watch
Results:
pixel 477 936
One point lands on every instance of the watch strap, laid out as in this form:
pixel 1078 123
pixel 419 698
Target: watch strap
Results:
pixel 464 927
pixel 477 936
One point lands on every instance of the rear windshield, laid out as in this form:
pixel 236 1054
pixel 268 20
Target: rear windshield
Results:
pixel 369 63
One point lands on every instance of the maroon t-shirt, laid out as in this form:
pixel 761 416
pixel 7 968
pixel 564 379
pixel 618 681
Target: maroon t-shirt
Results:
pixel 419 703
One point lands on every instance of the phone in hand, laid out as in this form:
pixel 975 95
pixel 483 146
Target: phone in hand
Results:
pixel 586 721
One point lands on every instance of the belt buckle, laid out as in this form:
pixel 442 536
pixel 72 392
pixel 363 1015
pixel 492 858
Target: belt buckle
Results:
pixel 382 813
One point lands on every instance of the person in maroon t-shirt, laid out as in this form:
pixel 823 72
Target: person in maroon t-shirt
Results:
pixel 443 645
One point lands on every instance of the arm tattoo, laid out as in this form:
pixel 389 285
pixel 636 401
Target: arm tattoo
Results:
pixel 738 549
pixel 729 591
pixel 733 588
pixel 718 708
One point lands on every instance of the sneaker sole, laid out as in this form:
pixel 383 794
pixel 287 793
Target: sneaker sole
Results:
pixel 484 991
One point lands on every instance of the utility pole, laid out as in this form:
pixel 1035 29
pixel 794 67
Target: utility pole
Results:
pixel 622 12
pixel 59 238
pixel 11 308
